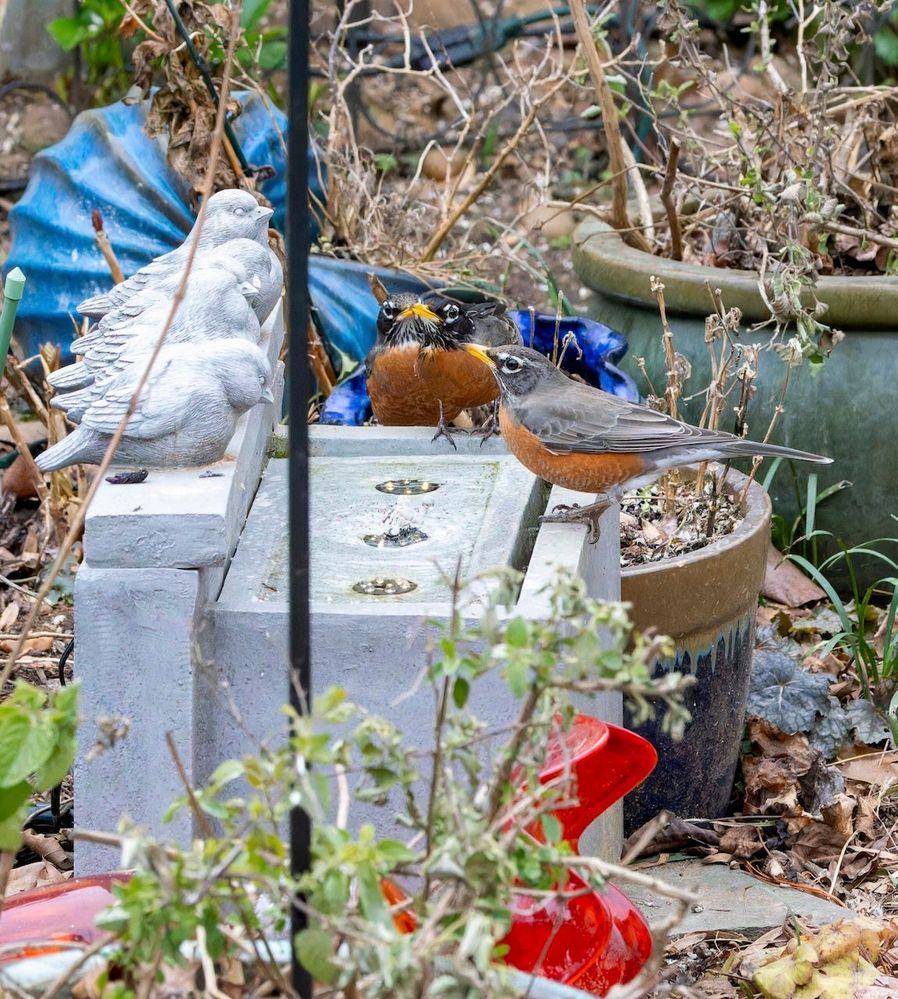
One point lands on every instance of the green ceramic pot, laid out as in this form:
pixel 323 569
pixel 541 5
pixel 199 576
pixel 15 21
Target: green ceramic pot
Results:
pixel 848 412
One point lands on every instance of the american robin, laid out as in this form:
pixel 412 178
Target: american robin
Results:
pixel 418 373
pixel 584 439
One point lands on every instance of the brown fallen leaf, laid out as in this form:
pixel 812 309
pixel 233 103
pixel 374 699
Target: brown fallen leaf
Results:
pixel 675 834
pixel 43 644
pixel 34 875
pixel 48 848
pixel 818 843
pixel 9 616
pixel 742 841
pixel 878 769
pixel 839 814
pixel 885 987
pixel 785 583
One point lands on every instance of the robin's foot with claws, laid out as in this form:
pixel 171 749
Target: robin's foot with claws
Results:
pixel 444 430
pixel 574 514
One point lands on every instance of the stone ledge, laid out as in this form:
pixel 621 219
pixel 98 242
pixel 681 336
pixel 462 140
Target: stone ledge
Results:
pixel 186 518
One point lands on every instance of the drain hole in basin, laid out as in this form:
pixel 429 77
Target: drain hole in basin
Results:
pixel 406 487
pixel 384 586
pixel 402 538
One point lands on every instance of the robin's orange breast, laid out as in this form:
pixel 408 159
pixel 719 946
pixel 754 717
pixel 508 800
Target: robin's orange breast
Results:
pixel 586 473
pixel 460 380
pixel 400 397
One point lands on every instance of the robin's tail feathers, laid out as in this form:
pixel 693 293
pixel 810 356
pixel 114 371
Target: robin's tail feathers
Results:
pixel 747 448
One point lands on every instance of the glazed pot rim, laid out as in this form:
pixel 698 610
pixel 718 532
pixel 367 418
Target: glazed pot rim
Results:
pixel 757 509
pixel 601 258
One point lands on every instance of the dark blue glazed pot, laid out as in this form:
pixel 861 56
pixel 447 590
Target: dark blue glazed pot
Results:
pixel 706 602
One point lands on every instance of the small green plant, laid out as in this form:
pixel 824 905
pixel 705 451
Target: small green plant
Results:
pixel 37 746
pixel 799 535
pixel 465 809
pixel 867 632
pixel 105 52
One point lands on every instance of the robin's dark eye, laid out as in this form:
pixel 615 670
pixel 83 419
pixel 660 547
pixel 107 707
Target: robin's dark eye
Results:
pixel 388 309
pixel 512 364
pixel 451 313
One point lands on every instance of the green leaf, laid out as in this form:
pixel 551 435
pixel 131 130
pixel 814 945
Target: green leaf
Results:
pixel 13 801
pixel 394 852
pixel 371 898
pixel 69 32
pixel 226 772
pixel 315 950
pixel 273 55
pixel 551 828
pixel 56 765
pixel 12 798
pixel 516 675
pixel 460 690
pixel 14 729
pixel 517 633
pixel 885 41
pixel 253 11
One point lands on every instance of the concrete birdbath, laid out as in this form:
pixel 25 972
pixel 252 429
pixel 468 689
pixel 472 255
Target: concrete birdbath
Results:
pixel 181 605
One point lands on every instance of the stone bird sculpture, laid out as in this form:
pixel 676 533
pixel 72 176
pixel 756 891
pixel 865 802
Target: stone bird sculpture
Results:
pixel 214 307
pixel 231 214
pixel 185 415
pixel 245 259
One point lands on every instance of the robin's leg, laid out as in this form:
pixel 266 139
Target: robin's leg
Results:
pixel 589 515
pixel 490 425
pixel 444 430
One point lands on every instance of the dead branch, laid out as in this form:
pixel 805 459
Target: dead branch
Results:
pixel 670 175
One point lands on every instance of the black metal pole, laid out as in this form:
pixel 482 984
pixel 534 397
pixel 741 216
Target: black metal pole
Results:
pixel 300 390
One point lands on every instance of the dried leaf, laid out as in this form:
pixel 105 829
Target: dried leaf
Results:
pixel 48 848
pixel 34 875
pixel 878 769
pixel 9 616
pixel 833 963
pixel 885 987
pixel 785 583
pixel 785 694
pixel 741 842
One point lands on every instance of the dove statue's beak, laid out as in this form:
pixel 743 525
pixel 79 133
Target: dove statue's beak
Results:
pixel 264 213
pixel 267 396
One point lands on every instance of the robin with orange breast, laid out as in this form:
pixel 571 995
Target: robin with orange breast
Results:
pixel 418 372
pixel 584 439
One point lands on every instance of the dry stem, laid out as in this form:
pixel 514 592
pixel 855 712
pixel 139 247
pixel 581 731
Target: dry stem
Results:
pixel 448 224
pixel 670 176
pixel 609 115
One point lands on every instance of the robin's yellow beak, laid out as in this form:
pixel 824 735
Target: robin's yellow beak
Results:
pixel 420 310
pixel 475 350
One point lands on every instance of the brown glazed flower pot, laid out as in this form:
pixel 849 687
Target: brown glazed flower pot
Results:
pixel 706 601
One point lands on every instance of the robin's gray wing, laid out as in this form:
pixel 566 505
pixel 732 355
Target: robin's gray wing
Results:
pixel 577 418
pixel 493 327
pixel 162 409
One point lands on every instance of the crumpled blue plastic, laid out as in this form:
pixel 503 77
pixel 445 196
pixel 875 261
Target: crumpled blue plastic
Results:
pixel 593 355
pixel 107 162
